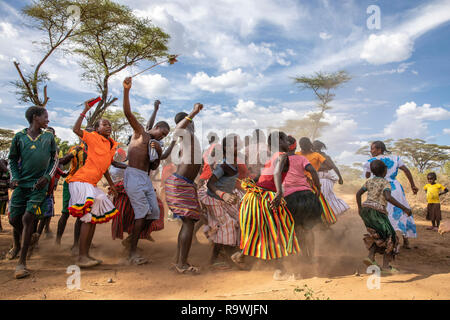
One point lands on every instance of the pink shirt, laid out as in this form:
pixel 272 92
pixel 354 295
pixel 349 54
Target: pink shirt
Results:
pixel 295 179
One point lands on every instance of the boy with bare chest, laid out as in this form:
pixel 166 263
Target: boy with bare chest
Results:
pixel 137 183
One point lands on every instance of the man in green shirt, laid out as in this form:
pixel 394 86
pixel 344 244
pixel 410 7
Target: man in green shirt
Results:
pixel 33 161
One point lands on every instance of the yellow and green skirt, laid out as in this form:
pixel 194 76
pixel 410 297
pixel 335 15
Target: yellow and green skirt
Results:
pixel 265 233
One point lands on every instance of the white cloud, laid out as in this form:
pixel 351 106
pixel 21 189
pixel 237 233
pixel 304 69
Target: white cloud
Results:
pixel 386 48
pixel 325 36
pixel 7 30
pixel 360 89
pixel 151 86
pixel 65 134
pixel 226 81
pixel 446 131
pixel 400 69
pixel 412 120
pixel 398 44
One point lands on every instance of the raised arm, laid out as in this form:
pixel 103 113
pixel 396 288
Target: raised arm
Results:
pixel 77 127
pixel 151 121
pixel 137 127
pixel 184 123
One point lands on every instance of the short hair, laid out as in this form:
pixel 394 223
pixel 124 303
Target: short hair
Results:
pixel 381 145
pixel 162 125
pixel 432 175
pixel 258 133
pixel 377 167
pixel 230 137
pixel 319 145
pixel 212 136
pixel 180 116
pixel 305 144
pixel 34 111
pixel 274 135
pixel 291 140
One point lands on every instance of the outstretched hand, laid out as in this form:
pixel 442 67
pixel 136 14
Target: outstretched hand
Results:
pixel 127 83
pixel 156 104
pixel 415 189
pixel 87 106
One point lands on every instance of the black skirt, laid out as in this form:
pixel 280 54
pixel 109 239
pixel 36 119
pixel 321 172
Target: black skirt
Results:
pixel 305 208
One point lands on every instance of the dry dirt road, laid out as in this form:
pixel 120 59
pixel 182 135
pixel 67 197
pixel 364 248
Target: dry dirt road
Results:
pixel 425 269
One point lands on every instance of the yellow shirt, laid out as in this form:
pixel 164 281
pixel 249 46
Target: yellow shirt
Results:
pixel 433 192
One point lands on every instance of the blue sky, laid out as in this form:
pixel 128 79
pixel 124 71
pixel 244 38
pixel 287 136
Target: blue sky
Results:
pixel 238 58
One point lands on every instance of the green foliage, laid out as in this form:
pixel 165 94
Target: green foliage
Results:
pixel 6 137
pixel 63 146
pixel 416 153
pixel 321 84
pixel 52 18
pixel 120 126
pixel 308 293
pixel 114 40
pixel 424 156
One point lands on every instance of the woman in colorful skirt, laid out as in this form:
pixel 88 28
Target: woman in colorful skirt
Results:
pixel 329 174
pixel 399 220
pixel 222 199
pixel 267 226
pixel 316 160
pixel 87 201
pixel 381 237
pixel 302 202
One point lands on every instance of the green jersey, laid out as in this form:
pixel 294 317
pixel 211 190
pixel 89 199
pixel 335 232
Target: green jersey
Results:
pixel 31 159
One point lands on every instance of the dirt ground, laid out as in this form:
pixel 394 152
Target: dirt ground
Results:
pixel 338 272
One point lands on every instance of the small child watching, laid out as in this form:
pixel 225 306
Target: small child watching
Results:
pixel 434 205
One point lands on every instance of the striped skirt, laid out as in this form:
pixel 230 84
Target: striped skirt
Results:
pixel 327 180
pixel 182 198
pixel 265 233
pixel 124 220
pixel 328 216
pixel 222 217
pixel 89 203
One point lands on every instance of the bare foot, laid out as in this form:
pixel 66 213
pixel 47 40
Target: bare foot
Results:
pixel 86 262
pixel 13 253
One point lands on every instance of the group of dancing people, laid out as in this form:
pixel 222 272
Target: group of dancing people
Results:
pixel 258 199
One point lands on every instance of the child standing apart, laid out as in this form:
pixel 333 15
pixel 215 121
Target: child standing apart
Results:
pixel 4 186
pixel 87 201
pixel 381 238
pixel 36 151
pixel 434 205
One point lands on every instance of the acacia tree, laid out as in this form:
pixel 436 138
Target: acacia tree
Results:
pixel 120 127
pixel 115 40
pixel 53 18
pixel 422 155
pixel 322 85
